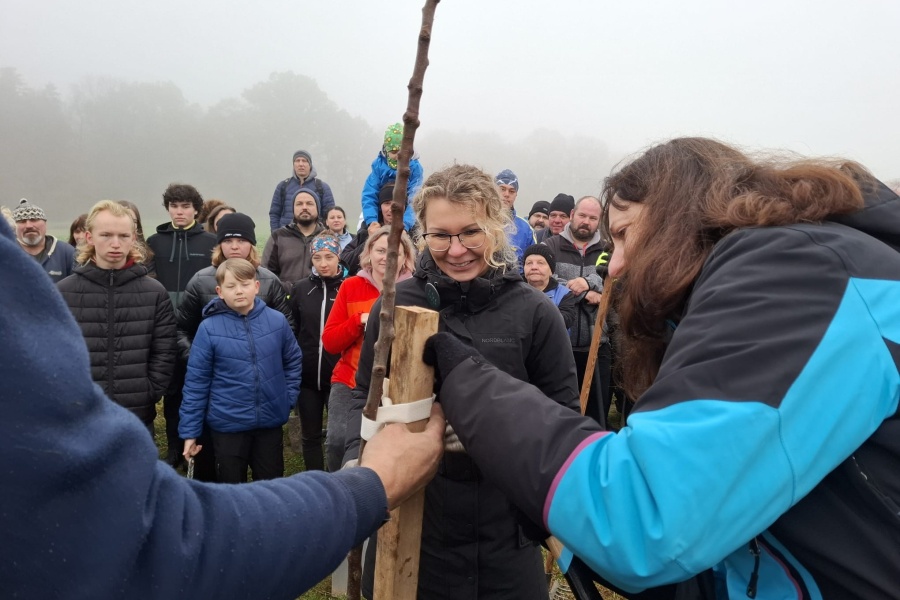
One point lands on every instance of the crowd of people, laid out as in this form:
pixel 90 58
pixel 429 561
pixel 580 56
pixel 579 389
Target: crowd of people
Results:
pixel 746 295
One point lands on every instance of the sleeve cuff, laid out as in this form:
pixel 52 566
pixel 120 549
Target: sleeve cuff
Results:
pixel 369 497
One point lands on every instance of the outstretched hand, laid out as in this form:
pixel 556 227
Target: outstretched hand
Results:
pixel 406 461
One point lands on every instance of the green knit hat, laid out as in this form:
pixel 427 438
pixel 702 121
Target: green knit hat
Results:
pixel 392 138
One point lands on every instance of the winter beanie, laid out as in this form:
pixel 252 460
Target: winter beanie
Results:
pixel 507 177
pixel 386 194
pixel 26 210
pixel 304 154
pixel 563 203
pixel 541 206
pixel 392 138
pixel 542 250
pixel 236 225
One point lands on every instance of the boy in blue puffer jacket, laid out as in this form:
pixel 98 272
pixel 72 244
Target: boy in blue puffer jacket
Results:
pixel 242 379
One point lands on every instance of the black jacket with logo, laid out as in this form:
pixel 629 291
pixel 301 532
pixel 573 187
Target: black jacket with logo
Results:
pixel 178 254
pixel 469 526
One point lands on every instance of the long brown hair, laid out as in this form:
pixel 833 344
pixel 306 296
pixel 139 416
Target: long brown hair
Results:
pixel 694 191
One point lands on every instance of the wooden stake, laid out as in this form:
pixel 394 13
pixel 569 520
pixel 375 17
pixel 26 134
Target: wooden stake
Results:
pixel 595 344
pixel 400 539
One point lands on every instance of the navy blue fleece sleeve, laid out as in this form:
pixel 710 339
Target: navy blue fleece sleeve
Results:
pixel 85 491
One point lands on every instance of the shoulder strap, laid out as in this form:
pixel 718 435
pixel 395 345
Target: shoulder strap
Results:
pixel 283 185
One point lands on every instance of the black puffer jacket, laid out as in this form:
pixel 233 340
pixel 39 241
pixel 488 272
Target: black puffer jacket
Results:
pixel 201 289
pixel 311 302
pixel 129 327
pixel 469 526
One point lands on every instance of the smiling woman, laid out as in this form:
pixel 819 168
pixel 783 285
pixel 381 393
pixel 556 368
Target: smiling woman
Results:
pixel 467 270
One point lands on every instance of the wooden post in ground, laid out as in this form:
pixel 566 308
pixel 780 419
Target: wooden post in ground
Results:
pixel 400 539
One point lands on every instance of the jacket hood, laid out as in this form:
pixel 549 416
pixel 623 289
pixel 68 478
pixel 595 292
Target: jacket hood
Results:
pixel 168 228
pixel 566 233
pixel 110 277
pixel 312 173
pixel 318 279
pixel 471 296
pixel 879 218
pixel 368 277
pixel 217 306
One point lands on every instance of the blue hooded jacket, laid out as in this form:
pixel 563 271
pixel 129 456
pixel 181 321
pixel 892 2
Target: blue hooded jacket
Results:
pixel 381 175
pixel 243 372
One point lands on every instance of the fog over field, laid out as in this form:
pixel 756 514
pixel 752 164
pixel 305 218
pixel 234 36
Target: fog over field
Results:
pixel 115 99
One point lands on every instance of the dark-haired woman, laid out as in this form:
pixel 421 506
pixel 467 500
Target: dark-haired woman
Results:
pixel 759 310
pixel 472 544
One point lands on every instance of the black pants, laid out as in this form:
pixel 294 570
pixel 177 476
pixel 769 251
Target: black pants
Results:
pixel 599 397
pixel 205 461
pixel 260 449
pixel 310 407
pixel 171 406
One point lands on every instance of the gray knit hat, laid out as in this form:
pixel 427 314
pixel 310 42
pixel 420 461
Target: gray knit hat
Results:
pixel 26 210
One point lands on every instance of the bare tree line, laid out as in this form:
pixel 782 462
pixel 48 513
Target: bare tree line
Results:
pixel 109 138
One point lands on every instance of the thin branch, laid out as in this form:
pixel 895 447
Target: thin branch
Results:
pixel 389 289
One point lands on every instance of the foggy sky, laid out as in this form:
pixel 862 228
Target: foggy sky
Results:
pixel 817 77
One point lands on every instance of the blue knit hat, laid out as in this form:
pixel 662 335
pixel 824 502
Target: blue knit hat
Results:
pixel 507 177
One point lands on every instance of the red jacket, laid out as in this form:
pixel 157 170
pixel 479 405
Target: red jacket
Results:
pixel 344 331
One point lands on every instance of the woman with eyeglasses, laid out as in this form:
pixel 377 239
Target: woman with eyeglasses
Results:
pixel 472 543
pixel 344 330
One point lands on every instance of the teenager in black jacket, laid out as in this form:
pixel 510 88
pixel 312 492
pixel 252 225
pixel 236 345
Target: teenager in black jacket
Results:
pixel 125 316
pixel 311 302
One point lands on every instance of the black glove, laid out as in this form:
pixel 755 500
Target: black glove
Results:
pixel 444 351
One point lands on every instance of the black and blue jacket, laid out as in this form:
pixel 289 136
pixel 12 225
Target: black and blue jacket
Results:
pixel 768 447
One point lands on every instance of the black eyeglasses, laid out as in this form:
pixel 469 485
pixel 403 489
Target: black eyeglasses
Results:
pixel 440 242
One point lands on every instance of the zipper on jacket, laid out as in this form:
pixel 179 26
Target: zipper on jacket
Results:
pixel 321 327
pixel 883 498
pixel 110 335
pixel 754 576
pixel 254 362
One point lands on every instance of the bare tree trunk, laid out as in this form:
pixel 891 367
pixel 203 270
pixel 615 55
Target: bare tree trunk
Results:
pixel 389 291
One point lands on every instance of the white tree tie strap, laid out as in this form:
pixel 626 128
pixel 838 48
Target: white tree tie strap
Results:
pixel 389 412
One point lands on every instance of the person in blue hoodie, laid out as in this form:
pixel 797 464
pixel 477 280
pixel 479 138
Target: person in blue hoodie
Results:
pixel 519 231
pixel 242 379
pixel 384 171
pixel 85 491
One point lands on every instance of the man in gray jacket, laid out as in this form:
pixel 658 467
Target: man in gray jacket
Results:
pixel 579 249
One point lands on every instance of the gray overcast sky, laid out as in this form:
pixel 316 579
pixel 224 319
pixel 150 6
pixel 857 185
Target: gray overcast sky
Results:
pixel 819 77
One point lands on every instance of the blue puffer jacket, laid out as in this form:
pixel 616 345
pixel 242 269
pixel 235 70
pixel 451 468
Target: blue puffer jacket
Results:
pixel 243 372
pixel 382 174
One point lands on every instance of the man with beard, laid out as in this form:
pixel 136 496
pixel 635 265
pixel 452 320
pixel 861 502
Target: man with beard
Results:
pixel 56 257
pixel 578 250
pixel 304 176
pixel 287 251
